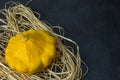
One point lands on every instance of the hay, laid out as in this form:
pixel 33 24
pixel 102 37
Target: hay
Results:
pixel 19 18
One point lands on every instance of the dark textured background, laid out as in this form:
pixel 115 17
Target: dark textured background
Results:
pixel 93 24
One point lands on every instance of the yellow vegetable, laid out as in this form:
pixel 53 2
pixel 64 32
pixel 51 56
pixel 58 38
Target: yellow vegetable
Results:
pixel 31 51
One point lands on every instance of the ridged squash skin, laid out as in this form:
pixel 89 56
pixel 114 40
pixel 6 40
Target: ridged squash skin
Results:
pixel 31 51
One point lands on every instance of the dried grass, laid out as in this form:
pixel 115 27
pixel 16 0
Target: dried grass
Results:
pixel 19 18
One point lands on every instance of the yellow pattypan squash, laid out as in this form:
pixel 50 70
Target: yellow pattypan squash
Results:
pixel 31 51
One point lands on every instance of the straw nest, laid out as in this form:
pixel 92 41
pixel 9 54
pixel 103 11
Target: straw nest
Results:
pixel 19 18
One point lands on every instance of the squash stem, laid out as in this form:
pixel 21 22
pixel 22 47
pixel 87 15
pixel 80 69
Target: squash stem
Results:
pixel 24 37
